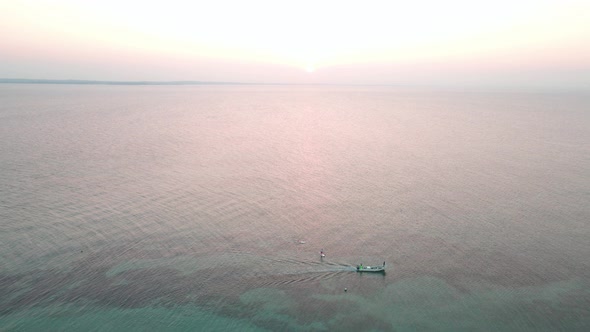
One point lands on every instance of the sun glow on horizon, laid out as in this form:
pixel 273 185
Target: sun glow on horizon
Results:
pixel 288 33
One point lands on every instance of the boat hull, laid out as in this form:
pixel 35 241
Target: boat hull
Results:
pixel 370 269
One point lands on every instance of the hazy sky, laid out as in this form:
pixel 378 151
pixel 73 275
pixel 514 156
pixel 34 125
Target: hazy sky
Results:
pixel 500 42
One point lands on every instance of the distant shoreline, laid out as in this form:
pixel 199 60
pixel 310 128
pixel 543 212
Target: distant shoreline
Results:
pixel 99 82
pixel 451 87
pixel 96 82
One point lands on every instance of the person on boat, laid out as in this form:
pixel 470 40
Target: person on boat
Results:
pixel 361 266
pixel 383 264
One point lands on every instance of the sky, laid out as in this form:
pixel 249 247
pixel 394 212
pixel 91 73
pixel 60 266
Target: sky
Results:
pixel 541 43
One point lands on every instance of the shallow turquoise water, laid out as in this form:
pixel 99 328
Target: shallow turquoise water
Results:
pixel 205 208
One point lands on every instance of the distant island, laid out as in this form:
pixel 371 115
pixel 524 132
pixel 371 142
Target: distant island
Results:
pixel 91 82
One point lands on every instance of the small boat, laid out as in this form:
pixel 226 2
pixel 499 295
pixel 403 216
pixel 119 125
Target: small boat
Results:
pixel 379 268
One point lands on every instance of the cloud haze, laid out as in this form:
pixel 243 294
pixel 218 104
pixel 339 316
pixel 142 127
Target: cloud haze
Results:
pixel 512 43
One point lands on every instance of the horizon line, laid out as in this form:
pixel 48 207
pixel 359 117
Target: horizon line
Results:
pixel 193 82
pixel 174 82
pixel 110 82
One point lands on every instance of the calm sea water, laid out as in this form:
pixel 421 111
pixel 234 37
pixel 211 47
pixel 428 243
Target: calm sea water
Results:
pixel 139 208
